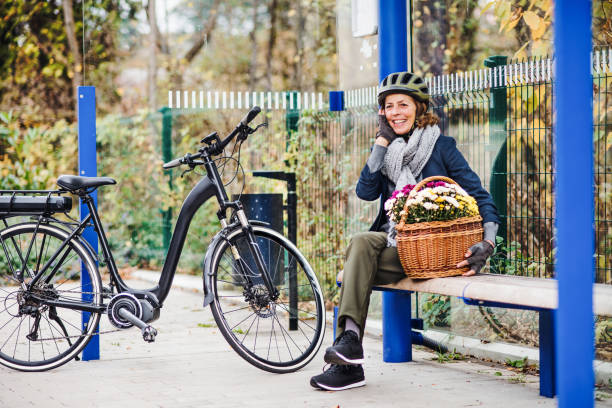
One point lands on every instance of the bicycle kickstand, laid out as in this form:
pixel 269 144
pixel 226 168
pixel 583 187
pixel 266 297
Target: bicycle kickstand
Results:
pixel 148 331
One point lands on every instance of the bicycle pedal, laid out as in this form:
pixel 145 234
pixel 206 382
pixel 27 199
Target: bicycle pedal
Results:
pixel 149 333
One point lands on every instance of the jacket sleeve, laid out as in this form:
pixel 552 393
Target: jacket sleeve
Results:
pixel 370 184
pixel 459 170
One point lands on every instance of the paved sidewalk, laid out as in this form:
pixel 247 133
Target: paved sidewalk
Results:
pixel 192 366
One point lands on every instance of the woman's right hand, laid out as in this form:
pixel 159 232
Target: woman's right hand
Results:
pixel 385 135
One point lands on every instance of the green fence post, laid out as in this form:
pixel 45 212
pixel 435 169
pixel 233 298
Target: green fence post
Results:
pixel 291 123
pixel 166 139
pixel 498 105
pixel 293 115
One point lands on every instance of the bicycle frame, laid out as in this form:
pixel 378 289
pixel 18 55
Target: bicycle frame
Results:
pixel 209 186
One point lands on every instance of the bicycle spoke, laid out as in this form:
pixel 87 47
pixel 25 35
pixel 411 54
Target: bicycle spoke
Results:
pixel 284 306
pixel 231 283
pixel 51 334
pixel 302 321
pixel 256 334
pixel 232 329
pixel 249 329
pixel 270 342
pixel 284 338
pixel 298 286
pixel 300 327
pixel 17 340
pixel 7 308
pixel 236 310
pixel 10 335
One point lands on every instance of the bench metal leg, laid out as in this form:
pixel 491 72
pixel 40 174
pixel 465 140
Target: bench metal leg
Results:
pixel 335 320
pixel 397 327
pixel 547 353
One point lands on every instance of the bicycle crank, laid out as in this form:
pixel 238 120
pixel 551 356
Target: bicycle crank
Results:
pixel 148 331
pixel 125 310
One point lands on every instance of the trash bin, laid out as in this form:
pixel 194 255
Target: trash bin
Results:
pixel 267 208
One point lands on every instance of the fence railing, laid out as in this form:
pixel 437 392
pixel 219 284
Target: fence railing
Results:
pixel 501 117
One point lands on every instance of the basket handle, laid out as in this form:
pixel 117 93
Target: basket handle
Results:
pixel 424 182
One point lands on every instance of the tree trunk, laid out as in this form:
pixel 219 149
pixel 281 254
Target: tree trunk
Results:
pixel 153 45
pixel 299 46
pixel 77 67
pixel 273 6
pixel 431 30
pixel 204 35
pixel 253 40
pixel 462 36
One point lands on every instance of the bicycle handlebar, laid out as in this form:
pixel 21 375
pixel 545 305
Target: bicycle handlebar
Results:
pixel 188 158
pixel 219 146
pixel 244 122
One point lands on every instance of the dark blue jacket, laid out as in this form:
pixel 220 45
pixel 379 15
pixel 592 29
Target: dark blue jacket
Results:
pixel 446 160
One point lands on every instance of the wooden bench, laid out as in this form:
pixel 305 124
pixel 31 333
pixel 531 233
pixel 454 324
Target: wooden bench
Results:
pixel 490 290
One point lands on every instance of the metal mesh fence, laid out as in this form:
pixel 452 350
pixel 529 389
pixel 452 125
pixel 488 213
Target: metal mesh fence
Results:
pixel 505 133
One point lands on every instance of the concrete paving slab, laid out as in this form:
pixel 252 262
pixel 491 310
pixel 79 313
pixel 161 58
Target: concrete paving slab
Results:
pixel 193 366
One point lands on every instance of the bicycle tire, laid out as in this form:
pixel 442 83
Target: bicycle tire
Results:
pixel 242 332
pixel 60 333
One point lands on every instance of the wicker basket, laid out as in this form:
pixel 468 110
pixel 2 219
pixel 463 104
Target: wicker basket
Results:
pixel 433 249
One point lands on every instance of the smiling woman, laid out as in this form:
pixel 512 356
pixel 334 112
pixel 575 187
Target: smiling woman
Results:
pixel 408 148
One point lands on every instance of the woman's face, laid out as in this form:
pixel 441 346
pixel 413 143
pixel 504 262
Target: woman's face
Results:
pixel 400 111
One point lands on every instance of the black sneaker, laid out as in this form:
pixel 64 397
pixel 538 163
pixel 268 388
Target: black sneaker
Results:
pixel 339 377
pixel 347 350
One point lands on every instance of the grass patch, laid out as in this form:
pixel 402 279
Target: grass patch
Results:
pixel 518 379
pixel 448 357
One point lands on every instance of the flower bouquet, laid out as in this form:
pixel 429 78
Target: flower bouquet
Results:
pixel 437 221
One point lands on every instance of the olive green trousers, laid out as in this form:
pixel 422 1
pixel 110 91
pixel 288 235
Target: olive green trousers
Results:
pixel 368 262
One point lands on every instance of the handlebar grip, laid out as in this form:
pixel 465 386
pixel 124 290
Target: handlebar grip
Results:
pixel 173 163
pixel 250 115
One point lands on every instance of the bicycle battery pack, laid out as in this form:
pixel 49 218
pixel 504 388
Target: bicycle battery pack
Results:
pixel 34 204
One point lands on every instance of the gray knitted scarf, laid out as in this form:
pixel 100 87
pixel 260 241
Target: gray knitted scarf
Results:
pixel 405 160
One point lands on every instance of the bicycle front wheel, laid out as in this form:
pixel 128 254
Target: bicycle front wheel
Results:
pixel 35 336
pixel 277 335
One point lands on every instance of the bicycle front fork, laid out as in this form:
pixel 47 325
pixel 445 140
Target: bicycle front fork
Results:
pixel 255 251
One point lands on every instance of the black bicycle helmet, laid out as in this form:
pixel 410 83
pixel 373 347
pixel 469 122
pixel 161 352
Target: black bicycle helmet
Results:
pixel 403 82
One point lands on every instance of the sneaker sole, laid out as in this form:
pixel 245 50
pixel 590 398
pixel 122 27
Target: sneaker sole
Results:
pixel 337 358
pixel 346 387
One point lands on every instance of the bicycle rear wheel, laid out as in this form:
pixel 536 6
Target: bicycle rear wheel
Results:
pixel 280 335
pixel 33 335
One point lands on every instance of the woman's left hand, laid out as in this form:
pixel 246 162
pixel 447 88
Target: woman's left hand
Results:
pixel 477 257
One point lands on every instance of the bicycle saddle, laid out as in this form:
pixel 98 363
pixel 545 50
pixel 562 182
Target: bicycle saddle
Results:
pixel 72 183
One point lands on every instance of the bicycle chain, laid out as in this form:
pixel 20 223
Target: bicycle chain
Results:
pixel 76 336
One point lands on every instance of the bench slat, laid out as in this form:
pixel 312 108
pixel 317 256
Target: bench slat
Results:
pixel 516 290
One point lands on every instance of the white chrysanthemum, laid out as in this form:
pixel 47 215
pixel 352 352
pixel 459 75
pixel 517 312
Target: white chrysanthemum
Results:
pixel 430 206
pixel 452 201
pixel 441 190
pixel 461 191
pixel 389 204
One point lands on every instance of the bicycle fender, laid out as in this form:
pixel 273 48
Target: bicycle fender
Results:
pixel 207 277
pixel 216 241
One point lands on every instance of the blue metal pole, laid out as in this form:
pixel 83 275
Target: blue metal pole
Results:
pixel 393 57
pixel 574 203
pixel 86 115
pixel 392 37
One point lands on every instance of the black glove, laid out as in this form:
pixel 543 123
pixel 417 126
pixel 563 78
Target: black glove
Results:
pixel 384 130
pixel 480 252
